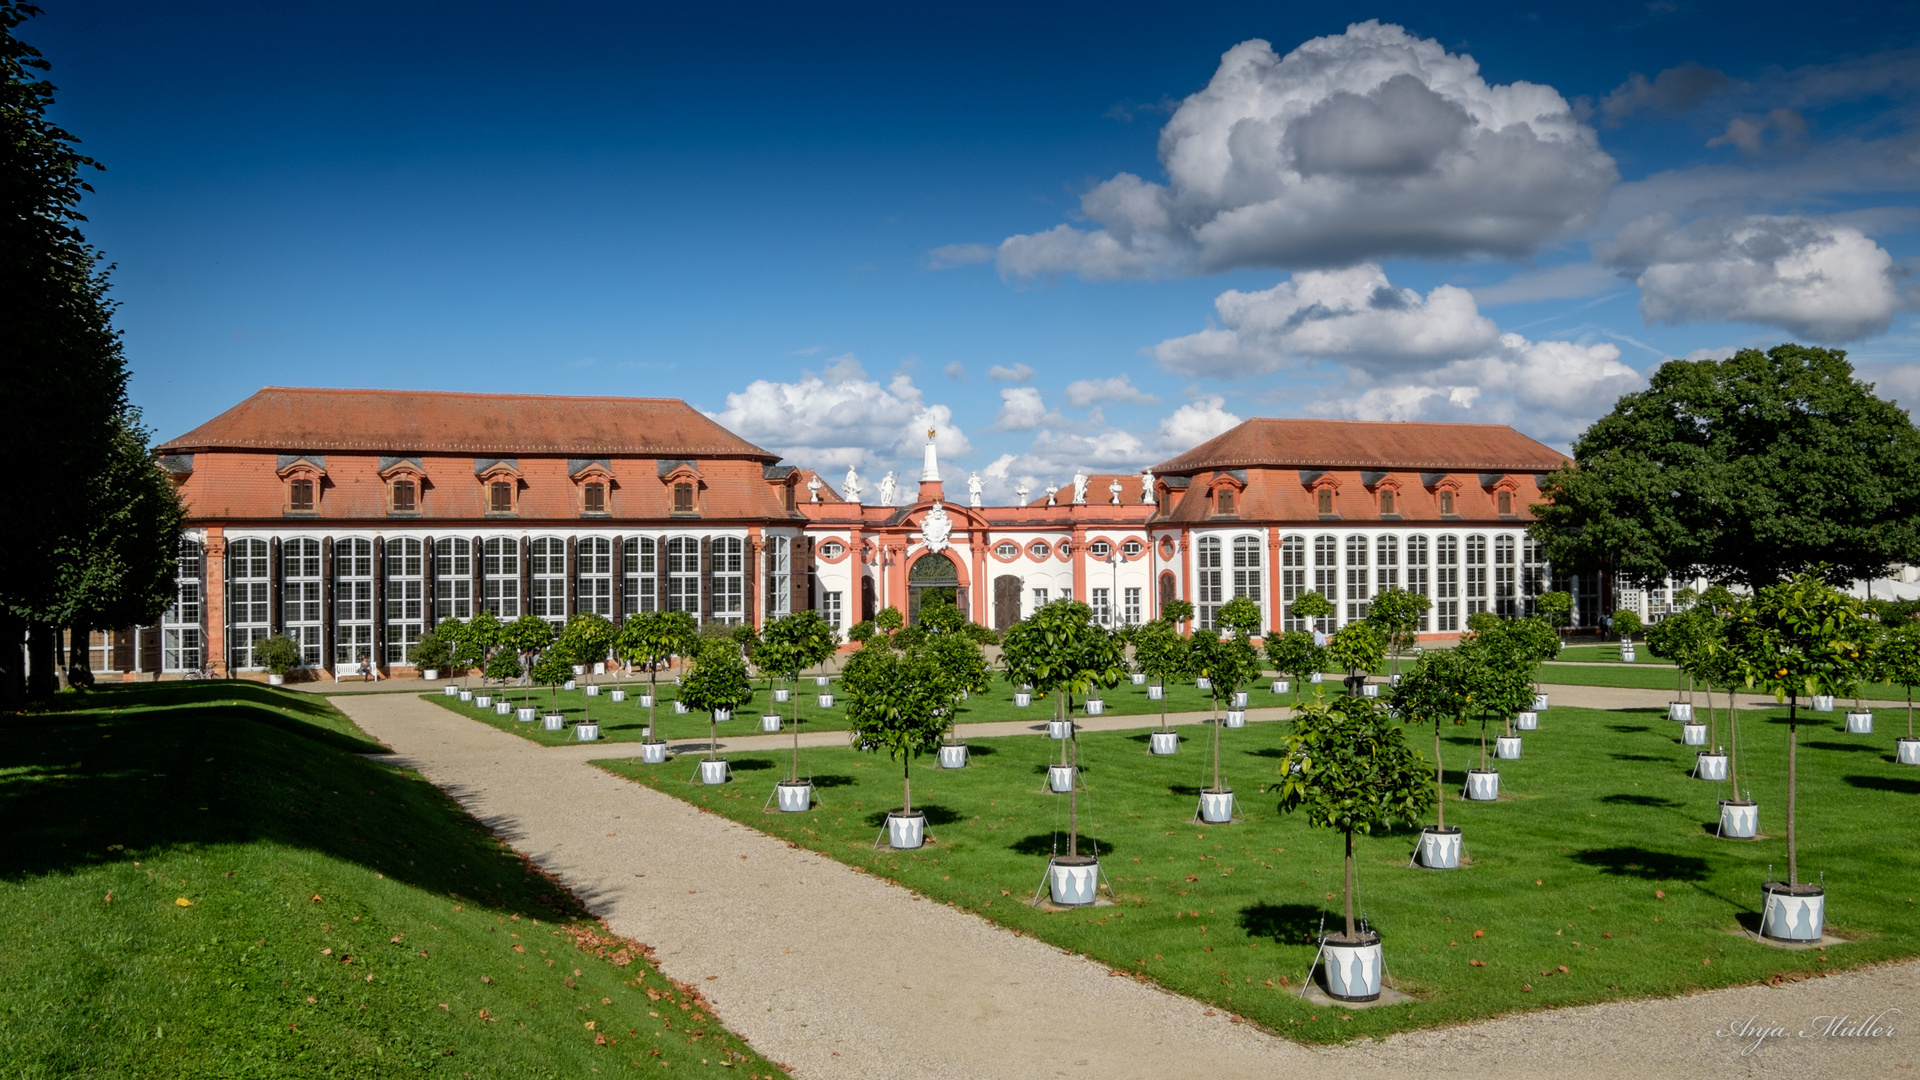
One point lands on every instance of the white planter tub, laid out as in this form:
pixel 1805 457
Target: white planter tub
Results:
pixel 1680 711
pixel 643 700
pixel 1353 968
pixel 526 714
pixel 770 722
pixel 1216 807
pixel 1281 686
pixel 1203 683
pixel 680 708
pixel 1440 849
pixel 1708 766
pixel 781 696
pixel 1236 718
pixel 1138 679
pixel 1908 751
pixel 1316 678
pixel 1739 820
pixel 617 695
pixel 1239 699
pixel 466 695
pixel 721 716
pixel 796 796
pixel 826 700
pixel 1073 880
pixel 1155 693
pixel 653 752
pixel 1060 779
pixel 431 674
pixel 820 680
pixel 1164 743
pixel 1059 729
pixel 1793 912
pixel 593 689
pixel 1507 747
pixel 579 669
pixel 906 831
pixel 1540 703
pixel 599 667
pixel 953 755
pixel 1823 703
pixel 1527 721
pixel 1859 723
pixel 570 684
pixel 587 732
pixel 553 722
pixel 503 708
pixel 1371 689
pixel 1094 706
pixel 276 680
pixel 483 701
pixel 1022 699
pixel 450 691
pixel 1483 785
pixel 713 770
pixel 1693 734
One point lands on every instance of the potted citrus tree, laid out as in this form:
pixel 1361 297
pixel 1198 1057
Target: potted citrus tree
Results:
pixel 586 640
pixel 1349 768
pixel 1503 689
pixel 431 654
pixel 280 655
pixel 1626 623
pixel 894 701
pixel 1162 654
pixel 1227 662
pixel 1899 664
pixel 1439 689
pixel 1357 649
pixel 1398 613
pixel 652 639
pixel 1294 655
pixel 531 637
pixel 1317 610
pixel 788 645
pixel 964 667
pixel 717 683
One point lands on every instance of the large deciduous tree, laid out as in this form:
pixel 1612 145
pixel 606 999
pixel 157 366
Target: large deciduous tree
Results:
pixel 1744 471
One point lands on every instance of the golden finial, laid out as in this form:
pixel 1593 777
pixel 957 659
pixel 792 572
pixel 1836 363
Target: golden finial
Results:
pixel 929 434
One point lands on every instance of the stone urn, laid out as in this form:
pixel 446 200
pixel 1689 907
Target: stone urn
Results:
pixel 1739 819
pixel 1908 750
pixel 795 796
pixel 1507 747
pixel 1859 723
pixel 1216 806
pixel 770 722
pixel 1164 743
pixel 1483 785
pixel 1680 711
pixel 1073 880
pixel 526 714
pixel 1060 779
pixel 906 832
pixel 713 770
pixel 1709 765
pixel 953 755
pixel 1352 966
pixel 1693 734
pixel 653 751
pixel 1440 848
pixel 553 722
pixel 1155 693
pixel 1236 718
pixel 1059 729
pixel 587 731
pixel 1526 721
pixel 1793 912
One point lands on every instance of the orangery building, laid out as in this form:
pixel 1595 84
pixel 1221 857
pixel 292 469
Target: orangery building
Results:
pixel 354 520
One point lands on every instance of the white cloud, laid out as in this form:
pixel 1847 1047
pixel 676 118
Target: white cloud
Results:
pixel 842 417
pixel 1354 316
pixel 1352 146
pixel 1020 410
pixel 955 370
pixel 1016 373
pixel 1819 280
pixel 1194 423
pixel 1084 392
pixel 949 256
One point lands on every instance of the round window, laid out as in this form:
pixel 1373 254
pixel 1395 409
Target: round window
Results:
pixel 1130 549
pixel 1007 550
pixel 831 550
pixel 1166 547
pixel 1100 549
pixel 1038 549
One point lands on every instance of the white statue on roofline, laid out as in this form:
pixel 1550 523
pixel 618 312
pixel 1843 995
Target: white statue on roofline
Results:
pixel 1079 488
pixel 1146 486
pixel 974 487
pixel 887 486
pixel 852 485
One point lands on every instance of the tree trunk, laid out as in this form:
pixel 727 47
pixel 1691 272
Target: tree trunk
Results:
pixel 1439 777
pixel 1163 707
pixel 1733 744
pixel 1350 934
pixel 41 681
pixel 793 699
pixel 906 783
pixel 1793 748
pixel 713 736
pixel 653 696
pixel 1909 712
pixel 1073 801
pixel 1483 744
pixel 1216 738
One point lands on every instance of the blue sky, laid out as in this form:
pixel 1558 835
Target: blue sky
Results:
pixel 831 227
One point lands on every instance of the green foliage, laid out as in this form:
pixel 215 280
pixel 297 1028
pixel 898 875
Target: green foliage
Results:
pixel 1745 470
pixel 503 666
pixel 1061 649
pixel 1626 623
pixel 793 642
pixel 654 637
pixel 890 619
pixel 1357 648
pixel 432 652
pixel 1693 639
pixel 963 667
pixel 1482 621
pixel 1312 607
pixel 1801 637
pixel 1177 611
pixel 485 633
pixel 586 639
pixel 278 654
pixel 718 678
pixel 1228 662
pixel 715 631
pixel 747 638
pixel 1239 616
pixel 1897 660
pixel 1399 614
pixel 528 633
pixel 552 668
pixel 1348 767
pixel 125 573
pixel 898 702
pixel 1162 652
pixel 861 632
pixel 1441 686
pixel 939 616
pixel 1556 607
pixel 1295 655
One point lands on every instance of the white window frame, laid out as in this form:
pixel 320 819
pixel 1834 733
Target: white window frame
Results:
pixel 729 579
pixel 182 634
pixel 778 552
pixel 452 579
pixel 500 576
pixel 301 587
pixel 683 574
pixel 640 575
pixel 547 577
pixel 405 597
pixel 352 601
pixel 1359 582
pixel 593 583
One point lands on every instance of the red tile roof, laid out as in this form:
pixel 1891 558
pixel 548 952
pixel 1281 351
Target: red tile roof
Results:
pixel 493 425
pixel 1362 444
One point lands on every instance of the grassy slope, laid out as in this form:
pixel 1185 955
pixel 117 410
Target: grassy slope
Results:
pixel 295 855
pixel 1602 819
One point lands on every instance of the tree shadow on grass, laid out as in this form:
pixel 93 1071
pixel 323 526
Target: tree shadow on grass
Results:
pixel 936 815
pixel 1268 752
pixel 1644 864
pixel 1629 729
pixel 1650 801
pixel 1637 757
pixel 1843 747
pixel 1287 924
pixel 1046 844
pixel 975 750
pixel 1898 785
pixel 748 764
pixel 833 780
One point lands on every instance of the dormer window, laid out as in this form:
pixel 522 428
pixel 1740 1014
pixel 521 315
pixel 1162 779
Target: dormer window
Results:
pixel 1223 501
pixel 593 498
pixel 1386 501
pixel 790 499
pixel 683 497
pixel 1324 501
pixel 1505 502
pixel 500 497
pixel 1446 503
pixel 300 495
pixel 405 497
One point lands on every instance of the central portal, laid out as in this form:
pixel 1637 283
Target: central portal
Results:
pixel 933 576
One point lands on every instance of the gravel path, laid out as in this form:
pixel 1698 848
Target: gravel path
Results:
pixel 840 975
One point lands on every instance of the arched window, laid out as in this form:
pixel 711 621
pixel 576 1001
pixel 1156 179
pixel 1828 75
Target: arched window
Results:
pixel 1506 600
pixel 1006 549
pixel 1207 558
pixel 1476 574
pixel 729 579
pixel 1446 584
pixel 640 576
pixel 683 575
pixel 779 556
pixel 1386 573
pixel 547 566
pixel 1246 569
pixel 1038 550
pixel 300 585
pixel 180 628
pixel 500 576
pixel 452 579
pixel 352 601
pixel 248 602
pixel 1326 575
pixel 1293 578
pixel 406 598
pixel 1419 578
pixel 596 576
pixel 1533 573
pixel 1359 589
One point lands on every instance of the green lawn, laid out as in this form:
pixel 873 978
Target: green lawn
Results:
pixel 1610 654
pixel 626 721
pixel 209 880
pixel 1602 860
pixel 1654 678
